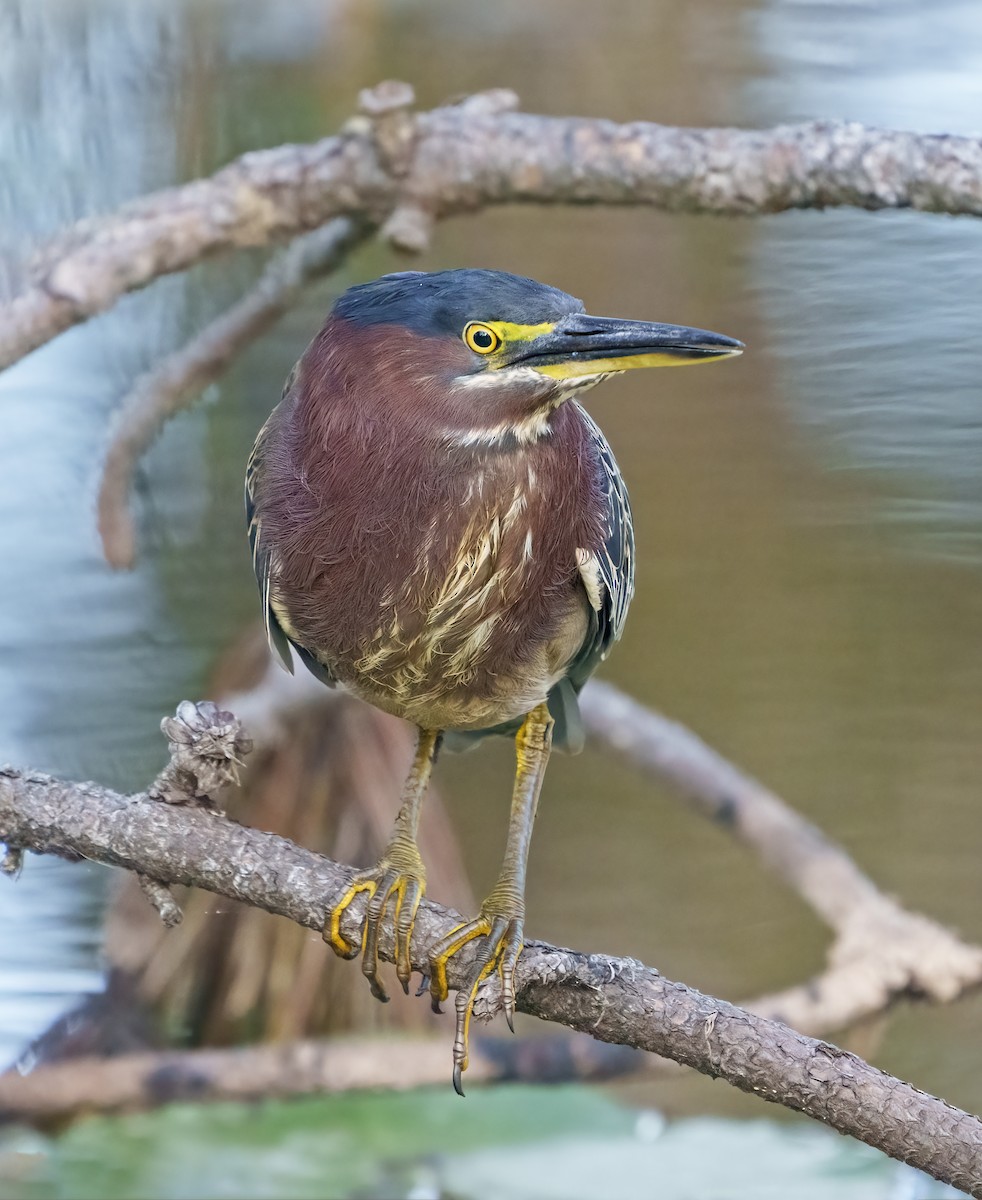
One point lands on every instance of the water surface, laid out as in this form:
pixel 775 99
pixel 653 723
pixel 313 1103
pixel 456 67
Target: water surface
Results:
pixel 808 518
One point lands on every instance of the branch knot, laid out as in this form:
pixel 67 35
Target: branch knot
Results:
pixel 207 745
pixel 392 124
pixel 391 127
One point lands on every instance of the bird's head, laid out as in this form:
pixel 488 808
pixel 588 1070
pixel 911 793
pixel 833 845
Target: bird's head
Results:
pixel 483 357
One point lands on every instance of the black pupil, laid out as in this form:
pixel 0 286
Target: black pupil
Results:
pixel 482 338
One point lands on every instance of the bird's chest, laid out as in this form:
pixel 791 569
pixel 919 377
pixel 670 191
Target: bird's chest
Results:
pixel 463 590
pixel 453 600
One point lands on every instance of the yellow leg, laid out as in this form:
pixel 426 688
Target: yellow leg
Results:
pixel 501 921
pixel 398 877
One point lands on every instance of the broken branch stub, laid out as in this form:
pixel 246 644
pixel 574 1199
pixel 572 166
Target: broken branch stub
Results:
pixel 207 746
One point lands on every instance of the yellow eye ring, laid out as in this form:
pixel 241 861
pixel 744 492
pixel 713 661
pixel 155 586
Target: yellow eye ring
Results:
pixel 482 339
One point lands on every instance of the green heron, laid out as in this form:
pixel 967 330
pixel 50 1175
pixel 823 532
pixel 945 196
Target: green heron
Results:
pixel 439 527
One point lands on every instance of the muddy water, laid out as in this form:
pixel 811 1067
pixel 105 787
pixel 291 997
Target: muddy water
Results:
pixel 809 518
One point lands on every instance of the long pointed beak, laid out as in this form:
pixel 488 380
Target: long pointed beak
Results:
pixel 581 345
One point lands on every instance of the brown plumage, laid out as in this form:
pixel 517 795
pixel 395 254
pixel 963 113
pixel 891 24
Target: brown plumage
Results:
pixel 451 595
pixel 439 527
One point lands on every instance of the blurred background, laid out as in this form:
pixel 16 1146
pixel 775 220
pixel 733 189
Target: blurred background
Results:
pixel 809 519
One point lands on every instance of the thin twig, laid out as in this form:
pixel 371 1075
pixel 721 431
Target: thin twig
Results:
pixel 881 951
pixel 162 899
pixel 615 1000
pixel 469 156
pixel 173 384
pixel 820 871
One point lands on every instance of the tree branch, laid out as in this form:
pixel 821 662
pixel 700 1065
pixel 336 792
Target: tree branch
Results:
pixel 881 952
pixel 173 384
pixel 615 1000
pixel 403 172
pixel 59 1091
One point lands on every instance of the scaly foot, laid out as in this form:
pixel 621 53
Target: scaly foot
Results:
pixel 503 934
pixel 399 878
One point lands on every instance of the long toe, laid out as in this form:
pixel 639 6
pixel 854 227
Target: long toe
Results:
pixel 363 881
pixel 387 890
pixel 407 905
pixel 507 964
pixel 387 886
pixel 501 937
pixel 442 952
pixel 484 963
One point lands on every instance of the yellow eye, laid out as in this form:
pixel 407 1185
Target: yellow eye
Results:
pixel 481 338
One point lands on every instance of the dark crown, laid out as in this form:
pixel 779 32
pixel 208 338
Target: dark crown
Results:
pixel 442 302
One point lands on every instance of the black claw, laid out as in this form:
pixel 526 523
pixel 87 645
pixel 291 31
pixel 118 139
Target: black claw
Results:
pixel 405 985
pixel 458 1085
pixel 424 986
pixel 509 1021
pixel 435 1006
pixel 378 991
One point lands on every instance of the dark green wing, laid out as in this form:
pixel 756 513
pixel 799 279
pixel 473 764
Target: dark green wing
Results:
pixel 608 578
pixel 262 560
pixel 262 564
pixel 612 586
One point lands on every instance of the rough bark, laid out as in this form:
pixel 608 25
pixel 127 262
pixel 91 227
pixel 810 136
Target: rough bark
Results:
pixel 615 1000
pixel 403 171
